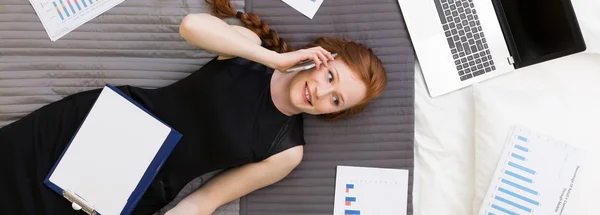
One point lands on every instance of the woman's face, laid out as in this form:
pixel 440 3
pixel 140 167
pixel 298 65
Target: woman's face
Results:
pixel 326 90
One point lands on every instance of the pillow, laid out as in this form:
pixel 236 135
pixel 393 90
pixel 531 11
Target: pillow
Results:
pixel 561 99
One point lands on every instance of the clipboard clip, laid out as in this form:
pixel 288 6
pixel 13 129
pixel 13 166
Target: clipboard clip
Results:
pixel 79 203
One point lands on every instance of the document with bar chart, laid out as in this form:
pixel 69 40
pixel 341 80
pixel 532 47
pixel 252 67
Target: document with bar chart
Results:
pixel 370 191
pixel 535 175
pixel 59 17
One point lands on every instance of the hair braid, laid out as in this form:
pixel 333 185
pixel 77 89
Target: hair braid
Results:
pixel 270 38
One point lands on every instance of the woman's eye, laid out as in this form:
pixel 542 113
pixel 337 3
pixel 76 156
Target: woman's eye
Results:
pixel 336 101
pixel 330 77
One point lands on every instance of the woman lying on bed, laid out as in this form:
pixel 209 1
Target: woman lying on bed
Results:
pixel 237 112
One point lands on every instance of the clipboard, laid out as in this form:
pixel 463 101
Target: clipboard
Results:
pixel 113 157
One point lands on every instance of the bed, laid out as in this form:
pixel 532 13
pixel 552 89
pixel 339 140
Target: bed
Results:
pixel 449 177
pixel 452 167
pixel 136 43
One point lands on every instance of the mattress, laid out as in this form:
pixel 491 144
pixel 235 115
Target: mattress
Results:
pixel 137 43
pixel 380 137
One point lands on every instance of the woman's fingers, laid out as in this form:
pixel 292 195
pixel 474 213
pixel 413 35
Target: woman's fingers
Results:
pixel 315 58
pixel 323 58
pixel 325 52
pixel 316 54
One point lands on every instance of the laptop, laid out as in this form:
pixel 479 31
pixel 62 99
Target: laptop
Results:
pixel 461 42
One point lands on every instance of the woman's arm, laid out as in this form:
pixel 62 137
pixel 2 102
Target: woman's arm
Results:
pixel 246 33
pixel 214 35
pixel 238 182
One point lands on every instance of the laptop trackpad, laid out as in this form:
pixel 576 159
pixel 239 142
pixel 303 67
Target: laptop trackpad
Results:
pixel 431 22
pixel 421 18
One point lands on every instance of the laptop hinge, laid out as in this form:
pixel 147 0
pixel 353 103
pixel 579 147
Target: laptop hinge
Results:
pixel 511 60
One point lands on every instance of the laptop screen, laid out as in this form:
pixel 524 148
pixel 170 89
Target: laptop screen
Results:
pixel 540 28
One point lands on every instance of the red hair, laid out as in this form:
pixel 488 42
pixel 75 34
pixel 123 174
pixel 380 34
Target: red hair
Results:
pixel 359 58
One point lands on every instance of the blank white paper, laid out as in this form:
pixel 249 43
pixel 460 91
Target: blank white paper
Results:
pixel 370 191
pixel 110 153
pixel 307 7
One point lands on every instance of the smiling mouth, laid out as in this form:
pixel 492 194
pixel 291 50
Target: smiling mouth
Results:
pixel 307 96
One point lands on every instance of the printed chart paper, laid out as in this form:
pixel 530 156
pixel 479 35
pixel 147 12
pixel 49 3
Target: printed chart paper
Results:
pixel 59 17
pixel 535 175
pixel 370 191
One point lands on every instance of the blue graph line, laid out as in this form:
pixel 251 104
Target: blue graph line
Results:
pixel 527 170
pixel 84 4
pixel 518 176
pixel 519 187
pixel 513 204
pixel 503 210
pixel 517 156
pixel 519 147
pixel 522 138
pixel 313 0
pixel 490 213
pixel 350 186
pixel 518 196
pixel 351 199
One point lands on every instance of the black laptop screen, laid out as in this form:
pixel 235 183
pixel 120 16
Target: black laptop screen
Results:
pixel 540 28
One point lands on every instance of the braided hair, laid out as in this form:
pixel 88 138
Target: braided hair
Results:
pixel 270 38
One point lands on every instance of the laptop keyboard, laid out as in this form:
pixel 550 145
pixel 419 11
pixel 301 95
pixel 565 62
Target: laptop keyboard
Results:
pixel 465 37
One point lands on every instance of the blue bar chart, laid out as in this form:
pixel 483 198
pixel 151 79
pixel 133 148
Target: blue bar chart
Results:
pixel 535 175
pixel 64 8
pixel 59 17
pixel 349 187
pixel 58 11
pixel 71 7
pixel 366 190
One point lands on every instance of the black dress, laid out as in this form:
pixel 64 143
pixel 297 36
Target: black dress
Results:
pixel 224 111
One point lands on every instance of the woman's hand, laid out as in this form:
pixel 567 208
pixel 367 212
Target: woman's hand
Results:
pixel 286 60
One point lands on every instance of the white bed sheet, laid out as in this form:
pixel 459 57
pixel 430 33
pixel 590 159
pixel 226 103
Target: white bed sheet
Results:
pixel 444 131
